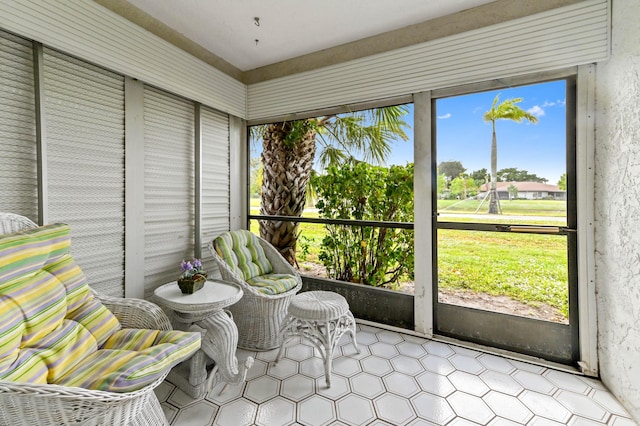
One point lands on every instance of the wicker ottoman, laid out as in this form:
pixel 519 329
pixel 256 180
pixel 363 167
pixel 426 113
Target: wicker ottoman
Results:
pixel 321 317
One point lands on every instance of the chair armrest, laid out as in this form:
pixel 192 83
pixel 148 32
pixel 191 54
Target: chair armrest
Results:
pixel 136 313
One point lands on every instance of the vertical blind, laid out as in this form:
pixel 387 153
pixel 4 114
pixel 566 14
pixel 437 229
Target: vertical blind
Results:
pixel 84 112
pixel 169 186
pixel 215 179
pixel 18 162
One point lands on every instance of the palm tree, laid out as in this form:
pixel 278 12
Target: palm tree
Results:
pixel 289 153
pixel 506 110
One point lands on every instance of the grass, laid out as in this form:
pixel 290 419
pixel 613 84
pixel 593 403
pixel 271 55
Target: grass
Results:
pixel 525 267
pixel 554 208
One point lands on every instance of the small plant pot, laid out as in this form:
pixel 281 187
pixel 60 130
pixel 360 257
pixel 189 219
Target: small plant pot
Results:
pixel 191 285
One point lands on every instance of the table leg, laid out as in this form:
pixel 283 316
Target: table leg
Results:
pixel 219 341
pixel 197 368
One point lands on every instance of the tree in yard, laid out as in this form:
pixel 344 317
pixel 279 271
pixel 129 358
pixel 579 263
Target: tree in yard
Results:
pixel 513 192
pixel 289 152
pixel 512 174
pixel 480 176
pixel 441 184
pixel 463 186
pixel 562 183
pixel 451 169
pixel 506 110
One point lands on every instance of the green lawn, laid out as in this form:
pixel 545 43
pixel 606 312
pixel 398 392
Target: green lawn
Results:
pixel 554 208
pixel 526 267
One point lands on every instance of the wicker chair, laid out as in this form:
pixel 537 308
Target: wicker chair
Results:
pixel 10 223
pixel 34 404
pixel 258 315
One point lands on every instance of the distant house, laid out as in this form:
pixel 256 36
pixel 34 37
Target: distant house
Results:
pixel 526 190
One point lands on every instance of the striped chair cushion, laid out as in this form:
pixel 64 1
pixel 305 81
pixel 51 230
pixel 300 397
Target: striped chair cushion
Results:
pixel 49 318
pixel 130 359
pixel 243 253
pixel 273 283
pixel 51 326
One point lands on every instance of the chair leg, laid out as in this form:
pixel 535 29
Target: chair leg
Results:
pixel 280 351
pixel 284 335
pixel 329 344
pixel 328 365
pixel 352 331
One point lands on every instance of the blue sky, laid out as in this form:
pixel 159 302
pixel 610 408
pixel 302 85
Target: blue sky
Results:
pixel 463 136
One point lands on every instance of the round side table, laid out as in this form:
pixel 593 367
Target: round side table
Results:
pixel 203 311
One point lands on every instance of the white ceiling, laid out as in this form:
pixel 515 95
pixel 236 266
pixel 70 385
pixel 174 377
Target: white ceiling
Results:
pixel 289 28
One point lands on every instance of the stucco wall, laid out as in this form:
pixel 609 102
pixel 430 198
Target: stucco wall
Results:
pixel 617 212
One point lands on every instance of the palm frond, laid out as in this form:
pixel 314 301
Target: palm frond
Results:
pixel 366 134
pixel 331 155
pixel 508 110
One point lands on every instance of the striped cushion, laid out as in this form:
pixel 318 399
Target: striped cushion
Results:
pixel 27 252
pixel 46 360
pixel 273 283
pixel 131 359
pixel 51 326
pixel 243 253
pixel 49 318
pixel 81 305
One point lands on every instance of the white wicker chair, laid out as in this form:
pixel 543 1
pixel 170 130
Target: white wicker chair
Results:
pixel 258 316
pixel 29 404
pixel 10 223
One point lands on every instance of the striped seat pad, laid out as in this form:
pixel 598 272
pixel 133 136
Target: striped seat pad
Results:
pixel 50 321
pixel 49 318
pixel 242 251
pixel 131 359
pixel 273 283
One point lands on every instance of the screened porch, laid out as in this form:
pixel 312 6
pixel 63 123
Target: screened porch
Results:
pixel 144 150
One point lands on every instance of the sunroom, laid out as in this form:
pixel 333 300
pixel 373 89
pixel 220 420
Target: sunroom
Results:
pixel 139 139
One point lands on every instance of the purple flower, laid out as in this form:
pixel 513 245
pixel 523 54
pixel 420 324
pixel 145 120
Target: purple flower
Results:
pixel 191 268
pixel 186 266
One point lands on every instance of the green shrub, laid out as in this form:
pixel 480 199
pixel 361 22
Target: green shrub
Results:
pixel 370 255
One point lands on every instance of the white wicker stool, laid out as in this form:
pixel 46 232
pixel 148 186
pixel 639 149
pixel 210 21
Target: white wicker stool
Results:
pixel 321 317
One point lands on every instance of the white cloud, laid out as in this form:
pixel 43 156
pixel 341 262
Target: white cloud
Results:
pixel 536 111
pixel 445 116
pixel 559 103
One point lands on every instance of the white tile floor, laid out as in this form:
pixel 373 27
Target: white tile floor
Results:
pixel 397 379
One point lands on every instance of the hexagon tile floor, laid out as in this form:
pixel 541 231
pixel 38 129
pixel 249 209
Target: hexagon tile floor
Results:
pixel 397 379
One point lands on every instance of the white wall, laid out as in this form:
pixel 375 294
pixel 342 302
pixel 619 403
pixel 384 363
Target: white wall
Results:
pixel 617 212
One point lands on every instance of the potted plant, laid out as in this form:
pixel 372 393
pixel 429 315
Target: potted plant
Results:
pixel 192 277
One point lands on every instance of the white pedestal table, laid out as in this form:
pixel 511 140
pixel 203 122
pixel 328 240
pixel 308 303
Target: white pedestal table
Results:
pixel 203 311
